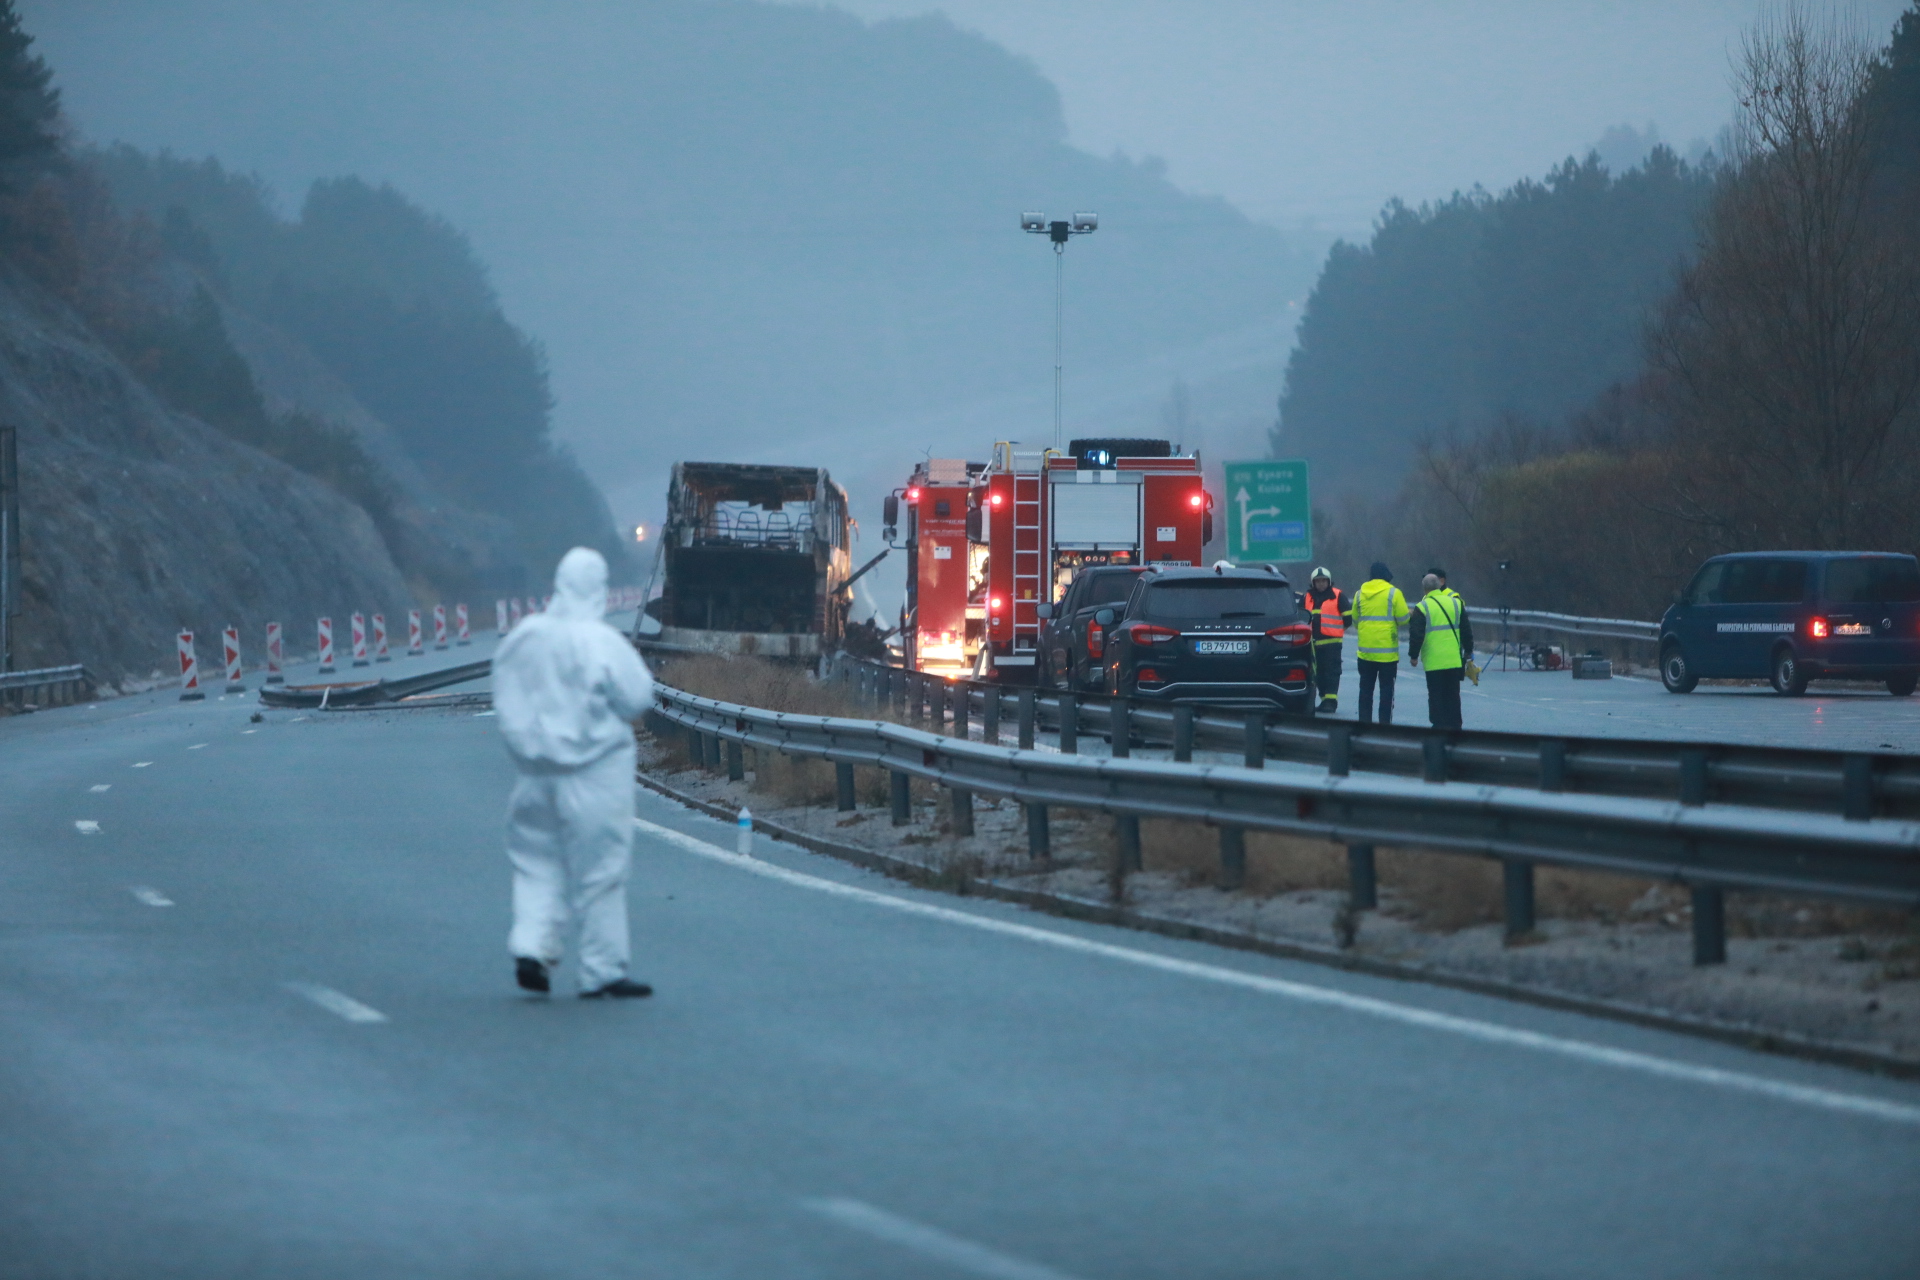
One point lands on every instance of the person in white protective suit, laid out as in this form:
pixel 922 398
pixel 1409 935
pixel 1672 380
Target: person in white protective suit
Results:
pixel 567 688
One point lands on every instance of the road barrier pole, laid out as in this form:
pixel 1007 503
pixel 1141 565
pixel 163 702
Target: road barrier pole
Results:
pixel 500 617
pixel 1039 839
pixel 1183 735
pixel 1693 776
pixel 1553 764
pixel 990 716
pixel 1856 780
pixel 1363 889
pixel 1709 925
pixel 274 674
pixel 513 613
pixel 843 786
pixel 360 640
pixel 1120 729
pixel 414 647
pixel 1254 748
pixel 1026 719
pixel 1517 897
pixel 380 650
pixel 1069 707
pixel 1433 758
pixel 962 711
pixel 440 626
pixel 461 634
pixel 1233 857
pixel 230 641
pixel 901 794
pixel 326 646
pixel 1339 750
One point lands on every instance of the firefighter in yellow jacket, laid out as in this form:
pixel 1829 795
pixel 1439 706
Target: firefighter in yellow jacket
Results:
pixel 1379 611
pixel 1332 613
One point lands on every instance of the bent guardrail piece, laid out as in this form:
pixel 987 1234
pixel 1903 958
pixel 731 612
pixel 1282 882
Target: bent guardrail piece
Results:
pixel 363 693
pixel 1704 846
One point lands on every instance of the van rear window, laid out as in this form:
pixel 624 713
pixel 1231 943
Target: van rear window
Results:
pixel 1873 580
pixel 1218 601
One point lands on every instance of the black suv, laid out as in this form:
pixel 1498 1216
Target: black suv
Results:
pixel 1227 637
pixel 1072 643
pixel 1795 616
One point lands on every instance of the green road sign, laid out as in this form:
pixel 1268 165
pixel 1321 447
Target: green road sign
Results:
pixel 1269 518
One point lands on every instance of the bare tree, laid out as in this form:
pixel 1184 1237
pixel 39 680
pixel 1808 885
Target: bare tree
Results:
pixel 1789 354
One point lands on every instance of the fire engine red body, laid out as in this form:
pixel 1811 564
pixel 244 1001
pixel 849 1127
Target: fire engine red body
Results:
pixel 988 543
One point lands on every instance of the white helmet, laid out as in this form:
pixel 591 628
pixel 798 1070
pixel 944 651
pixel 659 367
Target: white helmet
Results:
pixel 1321 572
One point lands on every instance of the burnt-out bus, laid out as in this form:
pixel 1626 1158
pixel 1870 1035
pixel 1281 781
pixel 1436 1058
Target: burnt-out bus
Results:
pixel 753 558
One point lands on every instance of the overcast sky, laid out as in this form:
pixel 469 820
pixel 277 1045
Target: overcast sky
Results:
pixel 1317 111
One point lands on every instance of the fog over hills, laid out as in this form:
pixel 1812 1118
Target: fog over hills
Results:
pixel 741 230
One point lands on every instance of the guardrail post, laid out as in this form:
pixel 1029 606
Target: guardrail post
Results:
pixel 843 786
pixel 1709 925
pixel 1693 776
pixel 1433 758
pixel 1120 726
pixel 990 716
pixel 1362 887
pixel 962 811
pixel 1039 845
pixel 1255 746
pixel 736 762
pixel 897 689
pixel 962 708
pixel 1026 719
pixel 1856 779
pixel 1233 857
pixel 1517 884
pixel 1183 734
pixel 916 697
pixel 1553 764
pixel 1126 832
pixel 1339 750
pixel 713 752
pixel 1069 723
pixel 902 797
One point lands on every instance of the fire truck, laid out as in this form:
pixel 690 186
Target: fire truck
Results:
pixel 987 543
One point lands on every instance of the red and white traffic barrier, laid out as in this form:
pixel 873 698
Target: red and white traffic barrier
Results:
pixel 439 626
pixel 514 613
pixel 500 617
pixel 230 639
pixel 189 670
pixel 413 633
pixel 380 653
pixel 360 640
pixel 326 645
pixel 461 635
pixel 274 674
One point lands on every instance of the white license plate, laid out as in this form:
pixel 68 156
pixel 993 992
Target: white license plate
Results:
pixel 1223 646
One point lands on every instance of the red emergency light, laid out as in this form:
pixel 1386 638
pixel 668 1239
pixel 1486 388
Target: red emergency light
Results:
pixel 999 499
pixel 1197 501
pixel 996 602
pixel 913 495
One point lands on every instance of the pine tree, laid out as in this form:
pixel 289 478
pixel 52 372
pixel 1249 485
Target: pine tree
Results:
pixel 29 106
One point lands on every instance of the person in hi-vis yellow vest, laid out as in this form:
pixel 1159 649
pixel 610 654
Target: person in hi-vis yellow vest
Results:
pixel 1441 639
pixel 1379 611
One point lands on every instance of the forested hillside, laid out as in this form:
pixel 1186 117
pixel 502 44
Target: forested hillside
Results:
pixel 1480 308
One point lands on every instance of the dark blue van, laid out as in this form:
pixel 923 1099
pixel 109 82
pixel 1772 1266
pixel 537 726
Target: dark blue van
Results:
pixel 1795 616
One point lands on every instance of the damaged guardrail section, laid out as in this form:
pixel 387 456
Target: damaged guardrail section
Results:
pixel 47 686
pixel 1710 847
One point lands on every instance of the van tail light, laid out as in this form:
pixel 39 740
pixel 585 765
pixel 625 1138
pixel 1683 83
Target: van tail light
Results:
pixel 1294 635
pixel 1096 640
pixel 1145 633
pixel 1818 628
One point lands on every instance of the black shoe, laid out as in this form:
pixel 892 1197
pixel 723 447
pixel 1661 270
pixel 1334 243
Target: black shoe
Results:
pixel 619 988
pixel 531 974
pixel 1328 704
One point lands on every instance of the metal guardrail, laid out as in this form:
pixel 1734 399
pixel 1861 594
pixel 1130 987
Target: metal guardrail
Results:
pixel 54 686
pixel 1709 847
pixel 1857 785
pixel 1568 624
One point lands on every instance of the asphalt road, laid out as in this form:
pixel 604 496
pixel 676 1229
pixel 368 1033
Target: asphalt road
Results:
pixel 258 1021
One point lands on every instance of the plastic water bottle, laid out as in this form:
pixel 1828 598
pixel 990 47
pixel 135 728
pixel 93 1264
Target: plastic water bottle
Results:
pixel 743 837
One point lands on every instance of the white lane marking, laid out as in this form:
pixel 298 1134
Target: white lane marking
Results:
pixel 296 720
pixel 478 714
pixel 333 1002
pixel 1472 1028
pixel 101 786
pixel 152 897
pixel 143 764
pixel 86 826
pixel 931 1242
pixel 196 746
pixel 247 731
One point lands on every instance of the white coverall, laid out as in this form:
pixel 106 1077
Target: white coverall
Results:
pixel 566 689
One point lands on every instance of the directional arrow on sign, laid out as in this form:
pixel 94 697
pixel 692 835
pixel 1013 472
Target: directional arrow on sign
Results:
pixel 1246 515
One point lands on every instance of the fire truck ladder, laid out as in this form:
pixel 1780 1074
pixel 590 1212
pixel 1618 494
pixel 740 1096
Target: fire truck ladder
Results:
pixel 1029 558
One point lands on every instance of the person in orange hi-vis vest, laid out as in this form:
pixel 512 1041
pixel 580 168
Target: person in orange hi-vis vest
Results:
pixel 1332 612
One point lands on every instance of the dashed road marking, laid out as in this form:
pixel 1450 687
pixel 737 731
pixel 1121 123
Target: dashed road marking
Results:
pixel 246 731
pixel 334 1002
pixel 143 764
pixel 931 1242
pixel 151 896
pixel 196 746
pixel 1834 1100
pixel 101 786
pixel 86 826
